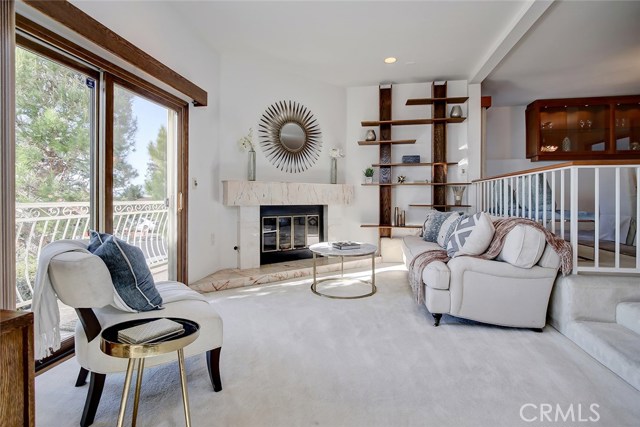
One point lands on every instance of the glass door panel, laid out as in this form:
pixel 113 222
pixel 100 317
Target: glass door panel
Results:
pixel 144 203
pixel 627 127
pixel 574 129
pixel 55 123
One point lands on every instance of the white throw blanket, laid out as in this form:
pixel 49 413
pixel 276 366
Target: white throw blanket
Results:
pixel 45 304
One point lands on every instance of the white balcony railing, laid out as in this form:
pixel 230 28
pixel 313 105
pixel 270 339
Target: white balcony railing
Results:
pixel 140 223
pixel 593 205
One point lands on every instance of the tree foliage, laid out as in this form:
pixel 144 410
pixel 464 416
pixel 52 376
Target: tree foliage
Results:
pixel 53 132
pixel 156 178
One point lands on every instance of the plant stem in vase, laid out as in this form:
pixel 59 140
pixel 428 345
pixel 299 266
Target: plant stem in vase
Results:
pixel 458 191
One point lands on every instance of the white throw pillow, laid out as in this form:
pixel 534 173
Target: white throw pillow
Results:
pixel 523 246
pixel 472 236
pixel 447 228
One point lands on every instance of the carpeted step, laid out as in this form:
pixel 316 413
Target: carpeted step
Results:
pixel 628 315
pixel 613 345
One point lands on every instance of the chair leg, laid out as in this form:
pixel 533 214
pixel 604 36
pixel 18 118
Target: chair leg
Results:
pixel 213 364
pixel 437 317
pixel 93 399
pixel 82 377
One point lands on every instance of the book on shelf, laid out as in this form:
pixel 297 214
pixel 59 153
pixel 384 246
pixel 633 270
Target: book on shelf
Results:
pixel 150 332
pixel 346 245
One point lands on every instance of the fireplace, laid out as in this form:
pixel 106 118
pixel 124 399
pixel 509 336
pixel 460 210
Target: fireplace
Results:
pixel 286 232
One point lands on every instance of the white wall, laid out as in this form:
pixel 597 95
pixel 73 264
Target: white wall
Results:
pixel 247 88
pixel 362 104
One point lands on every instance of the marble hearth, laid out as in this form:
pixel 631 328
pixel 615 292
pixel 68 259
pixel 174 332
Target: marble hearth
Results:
pixel 248 196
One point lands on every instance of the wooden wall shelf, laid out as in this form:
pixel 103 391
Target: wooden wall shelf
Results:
pixel 397 141
pixel 406 184
pixel 389 226
pixel 408 122
pixel 426 205
pixel 430 101
pixel 375 165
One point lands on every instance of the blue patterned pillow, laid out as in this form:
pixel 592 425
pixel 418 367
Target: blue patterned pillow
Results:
pixel 130 274
pixel 432 225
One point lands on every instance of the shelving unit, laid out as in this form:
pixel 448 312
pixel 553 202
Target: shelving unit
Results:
pixel 439 165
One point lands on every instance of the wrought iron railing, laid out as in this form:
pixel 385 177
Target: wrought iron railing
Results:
pixel 141 223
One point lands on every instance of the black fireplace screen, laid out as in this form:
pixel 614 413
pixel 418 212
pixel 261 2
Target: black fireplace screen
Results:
pixel 288 231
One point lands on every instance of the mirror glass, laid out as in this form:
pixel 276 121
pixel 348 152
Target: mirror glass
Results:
pixel 292 136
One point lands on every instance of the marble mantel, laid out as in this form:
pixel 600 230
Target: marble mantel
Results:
pixel 257 193
pixel 248 196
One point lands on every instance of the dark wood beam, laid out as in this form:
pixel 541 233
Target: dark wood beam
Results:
pixel 83 24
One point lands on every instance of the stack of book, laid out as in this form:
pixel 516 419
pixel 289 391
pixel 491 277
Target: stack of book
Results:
pixel 150 332
pixel 346 245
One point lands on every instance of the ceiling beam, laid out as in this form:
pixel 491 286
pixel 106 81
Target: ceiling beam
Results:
pixel 73 18
pixel 523 22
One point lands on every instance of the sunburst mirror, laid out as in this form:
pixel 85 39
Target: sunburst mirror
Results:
pixel 290 136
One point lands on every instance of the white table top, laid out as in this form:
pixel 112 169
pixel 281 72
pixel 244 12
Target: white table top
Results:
pixel 326 249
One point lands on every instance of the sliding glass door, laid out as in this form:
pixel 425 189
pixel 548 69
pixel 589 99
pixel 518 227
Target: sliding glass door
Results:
pixel 144 187
pixel 94 151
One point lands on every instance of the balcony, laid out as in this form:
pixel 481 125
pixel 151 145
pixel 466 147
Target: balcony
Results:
pixel 141 223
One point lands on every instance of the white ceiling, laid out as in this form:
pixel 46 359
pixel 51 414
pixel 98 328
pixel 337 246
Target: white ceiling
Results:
pixel 520 50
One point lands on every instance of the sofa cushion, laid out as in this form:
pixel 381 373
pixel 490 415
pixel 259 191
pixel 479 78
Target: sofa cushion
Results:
pixel 472 236
pixel 549 258
pixel 412 246
pixel 447 228
pixel 433 223
pixel 130 274
pixel 523 246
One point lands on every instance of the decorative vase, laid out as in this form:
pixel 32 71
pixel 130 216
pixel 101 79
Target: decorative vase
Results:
pixel 456 111
pixel 566 144
pixel 371 135
pixel 368 180
pixel 458 191
pixel 251 175
pixel 334 170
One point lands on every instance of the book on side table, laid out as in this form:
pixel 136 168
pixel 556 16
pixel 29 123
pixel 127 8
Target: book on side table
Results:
pixel 346 245
pixel 150 332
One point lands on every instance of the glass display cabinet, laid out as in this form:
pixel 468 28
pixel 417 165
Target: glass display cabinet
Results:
pixel 584 128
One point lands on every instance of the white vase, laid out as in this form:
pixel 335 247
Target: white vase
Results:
pixel 368 180
pixel 251 174
pixel 334 170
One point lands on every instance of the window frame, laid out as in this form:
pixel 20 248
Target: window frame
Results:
pixel 42 41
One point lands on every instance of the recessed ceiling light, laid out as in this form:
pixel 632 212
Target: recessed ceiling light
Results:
pixel 390 60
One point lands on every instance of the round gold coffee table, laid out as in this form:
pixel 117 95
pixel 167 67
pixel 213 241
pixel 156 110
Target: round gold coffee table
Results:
pixel 110 345
pixel 327 249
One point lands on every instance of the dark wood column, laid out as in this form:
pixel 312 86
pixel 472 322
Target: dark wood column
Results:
pixel 439 145
pixel 385 158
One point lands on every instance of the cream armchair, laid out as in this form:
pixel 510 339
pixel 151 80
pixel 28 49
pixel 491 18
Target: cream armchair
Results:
pixel 82 281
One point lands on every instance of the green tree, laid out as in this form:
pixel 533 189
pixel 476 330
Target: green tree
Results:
pixel 53 132
pixel 155 183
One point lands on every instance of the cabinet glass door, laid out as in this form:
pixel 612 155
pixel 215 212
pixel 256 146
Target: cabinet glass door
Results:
pixel 627 127
pixel 572 129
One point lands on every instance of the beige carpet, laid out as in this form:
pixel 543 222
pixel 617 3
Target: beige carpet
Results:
pixel 291 358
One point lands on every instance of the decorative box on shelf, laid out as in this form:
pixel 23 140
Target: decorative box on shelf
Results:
pixel 411 159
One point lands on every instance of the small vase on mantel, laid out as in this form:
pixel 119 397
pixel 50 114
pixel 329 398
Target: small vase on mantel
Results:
pixel 251 175
pixel 334 170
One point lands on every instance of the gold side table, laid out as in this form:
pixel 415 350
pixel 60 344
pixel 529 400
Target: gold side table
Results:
pixel 136 353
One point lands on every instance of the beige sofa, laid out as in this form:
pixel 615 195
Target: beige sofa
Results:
pixel 512 290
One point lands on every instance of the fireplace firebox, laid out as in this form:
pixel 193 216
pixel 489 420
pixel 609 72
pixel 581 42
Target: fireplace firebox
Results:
pixel 286 232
